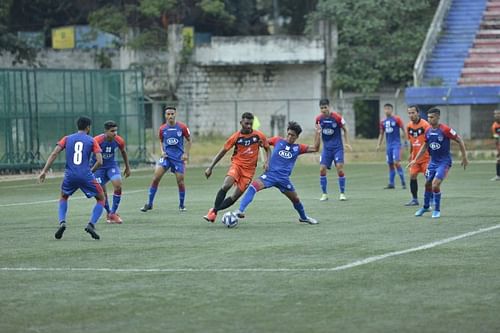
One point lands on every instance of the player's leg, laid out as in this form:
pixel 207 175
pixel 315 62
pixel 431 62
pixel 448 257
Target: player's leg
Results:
pixel 414 170
pixel 181 187
pixel 441 174
pixel 116 181
pixel 68 187
pixel 397 164
pixel 101 175
pixel 91 188
pixel 339 165
pixel 160 169
pixel 429 176
pixel 241 185
pixel 255 187
pixel 392 172
pixel 325 163
pixel 219 198
pixel 298 206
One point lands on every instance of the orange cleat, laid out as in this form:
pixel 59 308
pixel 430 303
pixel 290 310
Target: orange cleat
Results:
pixel 211 216
pixel 115 219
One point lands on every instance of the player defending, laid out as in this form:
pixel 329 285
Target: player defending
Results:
pixel 280 168
pixel 173 156
pixel 495 129
pixel 331 124
pixel 437 141
pixel 416 135
pixel 77 174
pixel 246 143
pixel 110 170
pixel 391 126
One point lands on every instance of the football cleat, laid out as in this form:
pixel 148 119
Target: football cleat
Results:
pixel 421 211
pixel 182 209
pixel 59 233
pixel 108 220
pixel 115 219
pixel 211 216
pixel 436 214
pixel 324 197
pixel 342 197
pixel 412 202
pixel 495 178
pixel 91 230
pixel 389 187
pixel 309 220
pixel 146 208
pixel 403 186
pixel 239 214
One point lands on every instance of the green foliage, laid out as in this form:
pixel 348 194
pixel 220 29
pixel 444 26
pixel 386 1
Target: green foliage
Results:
pixel 154 8
pixel 110 19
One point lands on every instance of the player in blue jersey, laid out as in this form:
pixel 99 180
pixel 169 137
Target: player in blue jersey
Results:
pixel 109 141
pixel 78 174
pixel 174 155
pixel 332 124
pixel 280 168
pixel 391 126
pixel 437 142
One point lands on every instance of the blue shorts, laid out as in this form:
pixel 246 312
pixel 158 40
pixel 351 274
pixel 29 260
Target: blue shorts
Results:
pixel 393 154
pixel 104 175
pixel 173 165
pixel 330 156
pixel 86 183
pixel 437 170
pixel 281 183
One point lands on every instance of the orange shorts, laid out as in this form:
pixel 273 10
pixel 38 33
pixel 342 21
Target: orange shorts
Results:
pixel 419 167
pixel 242 176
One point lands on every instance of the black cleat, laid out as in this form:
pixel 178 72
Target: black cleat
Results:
pixel 389 187
pixel 59 233
pixel 146 208
pixel 91 230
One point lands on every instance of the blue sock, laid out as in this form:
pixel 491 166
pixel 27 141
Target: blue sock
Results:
pixel 323 181
pixel 401 174
pixel 116 201
pixel 63 208
pixel 247 198
pixel 427 199
pixel 342 184
pixel 96 212
pixel 106 205
pixel 392 175
pixel 182 195
pixel 437 201
pixel 300 209
pixel 152 193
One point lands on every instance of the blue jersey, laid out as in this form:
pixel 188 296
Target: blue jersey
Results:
pixel 438 141
pixel 284 156
pixel 108 150
pixel 172 138
pixel 331 127
pixel 391 127
pixel 79 148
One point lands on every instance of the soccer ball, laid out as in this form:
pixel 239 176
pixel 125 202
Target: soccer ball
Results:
pixel 229 219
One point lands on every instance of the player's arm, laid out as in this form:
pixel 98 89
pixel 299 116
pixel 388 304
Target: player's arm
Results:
pixel 419 154
pixel 216 159
pixel 98 162
pixel 461 144
pixel 187 148
pixel 315 146
pixel 267 148
pixel 347 143
pixel 50 160
pixel 127 171
pixel 380 138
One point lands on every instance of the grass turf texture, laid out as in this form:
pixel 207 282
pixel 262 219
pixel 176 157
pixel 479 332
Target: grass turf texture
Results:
pixel 450 287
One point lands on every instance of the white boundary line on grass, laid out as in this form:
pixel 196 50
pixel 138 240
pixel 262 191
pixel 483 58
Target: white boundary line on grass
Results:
pixel 182 270
pixel 57 200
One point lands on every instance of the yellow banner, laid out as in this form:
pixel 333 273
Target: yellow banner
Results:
pixel 63 38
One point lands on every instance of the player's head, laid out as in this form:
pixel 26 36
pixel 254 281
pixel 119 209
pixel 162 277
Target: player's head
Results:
pixel 246 122
pixel 293 131
pixel 324 106
pixel 83 124
pixel 110 128
pixel 496 114
pixel 388 108
pixel 433 115
pixel 170 113
pixel 413 113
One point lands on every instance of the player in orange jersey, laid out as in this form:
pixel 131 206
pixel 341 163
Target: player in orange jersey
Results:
pixel 415 131
pixel 246 143
pixel 495 130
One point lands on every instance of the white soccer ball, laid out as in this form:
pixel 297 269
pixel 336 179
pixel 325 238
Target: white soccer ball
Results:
pixel 229 219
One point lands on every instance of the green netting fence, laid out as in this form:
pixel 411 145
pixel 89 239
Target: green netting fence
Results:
pixel 39 106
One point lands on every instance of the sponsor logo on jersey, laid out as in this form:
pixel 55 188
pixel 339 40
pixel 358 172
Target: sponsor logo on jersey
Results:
pixel 328 131
pixel 434 146
pixel 285 154
pixel 172 141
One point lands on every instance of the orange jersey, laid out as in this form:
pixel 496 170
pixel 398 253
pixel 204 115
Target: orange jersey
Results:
pixel 495 130
pixel 416 135
pixel 246 148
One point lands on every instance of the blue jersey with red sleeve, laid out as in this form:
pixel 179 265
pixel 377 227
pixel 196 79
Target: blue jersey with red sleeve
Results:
pixel 79 148
pixel 391 127
pixel 438 141
pixel 284 156
pixel 331 126
pixel 108 149
pixel 172 138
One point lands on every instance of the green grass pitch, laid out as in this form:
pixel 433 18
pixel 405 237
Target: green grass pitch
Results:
pixel 166 271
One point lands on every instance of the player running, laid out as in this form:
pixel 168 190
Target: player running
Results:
pixel 332 124
pixel 109 141
pixel 77 174
pixel 416 135
pixel 437 141
pixel 280 168
pixel 173 156
pixel 495 130
pixel 391 126
pixel 246 143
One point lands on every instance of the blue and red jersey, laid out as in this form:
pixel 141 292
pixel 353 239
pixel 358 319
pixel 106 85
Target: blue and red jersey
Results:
pixel 79 148
pixel 438 141
pixel 108 149
pixel 331 126
pixel 172 138
pixel 391 127
pixel 284 156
